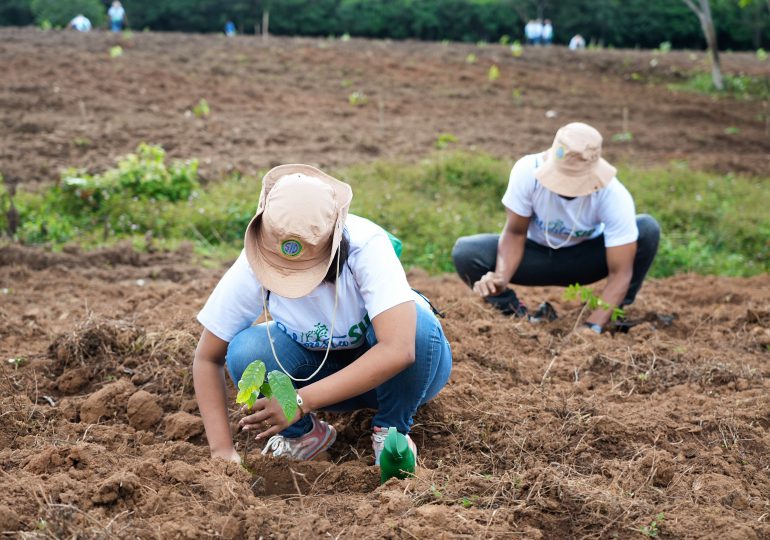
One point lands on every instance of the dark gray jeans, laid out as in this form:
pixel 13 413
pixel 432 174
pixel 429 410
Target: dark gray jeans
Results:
pixel 584 263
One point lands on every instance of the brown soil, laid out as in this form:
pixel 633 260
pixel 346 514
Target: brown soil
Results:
pixel 64 102
pixel 539 434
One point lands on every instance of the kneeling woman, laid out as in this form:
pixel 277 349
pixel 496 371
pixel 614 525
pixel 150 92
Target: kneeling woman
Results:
pixel 346 325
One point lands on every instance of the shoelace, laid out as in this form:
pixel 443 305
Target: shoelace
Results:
pixel 379 436
pixel 278 444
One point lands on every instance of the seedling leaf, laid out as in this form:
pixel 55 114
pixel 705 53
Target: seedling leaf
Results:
pixel 249 386
pixel 284 392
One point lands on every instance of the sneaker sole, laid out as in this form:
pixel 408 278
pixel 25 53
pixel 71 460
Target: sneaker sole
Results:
pixel 332 436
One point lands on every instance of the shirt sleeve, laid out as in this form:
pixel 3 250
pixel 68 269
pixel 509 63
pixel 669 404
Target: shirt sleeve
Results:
pixel 618 214
pixel 235 303
pixel 521 186
pixel 380 276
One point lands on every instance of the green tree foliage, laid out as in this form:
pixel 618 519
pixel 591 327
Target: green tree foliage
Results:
pixel 15 13
pixel 61 12
pixel 740 24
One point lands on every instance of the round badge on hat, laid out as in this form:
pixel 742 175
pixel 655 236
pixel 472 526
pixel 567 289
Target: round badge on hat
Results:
pixel 291 248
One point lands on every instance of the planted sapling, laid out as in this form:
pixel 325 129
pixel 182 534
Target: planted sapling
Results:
pixel 590 301
pixel 278 386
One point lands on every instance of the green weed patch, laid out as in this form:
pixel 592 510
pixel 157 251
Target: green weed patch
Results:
pixel 742 87
pixel 712 224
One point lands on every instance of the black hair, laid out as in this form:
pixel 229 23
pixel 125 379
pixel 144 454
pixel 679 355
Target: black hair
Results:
pixel 342 253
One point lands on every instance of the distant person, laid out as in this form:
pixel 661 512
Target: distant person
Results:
pixel 577 42
pixel 533 32
pixel 346 325
pixel 547 36
pixel 569 220
pixel 117 16
pixel 229 28
pixel 80 23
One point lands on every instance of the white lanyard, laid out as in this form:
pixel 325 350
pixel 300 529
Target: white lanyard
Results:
pixel 574 226
pixel 331 332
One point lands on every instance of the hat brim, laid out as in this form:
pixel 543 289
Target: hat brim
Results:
pixel 575 186
pixel 293 279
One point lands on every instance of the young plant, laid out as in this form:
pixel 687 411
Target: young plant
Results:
pixel 494 73
pixel 590 301
pixel 278 386
pixel 444 140
pixel 116 51
pixel 201 110
pixel 357 99
pixel 516 49
pixel 653 529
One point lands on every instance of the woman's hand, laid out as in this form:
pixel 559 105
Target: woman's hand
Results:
pixel 229 455
pixel 267 416
pixel 490 284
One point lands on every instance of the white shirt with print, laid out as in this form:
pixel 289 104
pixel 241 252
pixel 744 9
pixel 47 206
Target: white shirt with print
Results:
pixel 371 282
pixel 609 211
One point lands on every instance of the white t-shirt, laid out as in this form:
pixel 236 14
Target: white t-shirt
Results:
pixel 116 13
pixel 547 31
pixel 371 282
pixel 609 211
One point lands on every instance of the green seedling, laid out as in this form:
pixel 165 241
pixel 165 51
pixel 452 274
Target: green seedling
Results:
pixel 345 37
pixel 470 59
pixel 625 136
pixel 278 386
pixel 202 110
pixel 357 99
pixel 505 39
pixel 467 502
pixel 346 83
pixel 516 97
pixel 17 362
pixel 590 301
pixel 664 48
pixel 516 49
pixel 116 51
pixel 761 54
pixel 46 25
pixel 444 140
pixel 732 130
pixel 494 73
pixel 653 529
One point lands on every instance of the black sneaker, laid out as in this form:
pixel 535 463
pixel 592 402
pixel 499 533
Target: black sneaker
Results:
pixel 508 304
pixel 545 312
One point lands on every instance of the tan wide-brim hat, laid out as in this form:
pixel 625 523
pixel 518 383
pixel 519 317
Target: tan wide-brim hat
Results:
pixel 291 241
pixel 574 165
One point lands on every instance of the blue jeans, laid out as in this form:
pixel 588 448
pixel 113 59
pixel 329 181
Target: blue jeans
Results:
pixel 396 400
pixel 116 26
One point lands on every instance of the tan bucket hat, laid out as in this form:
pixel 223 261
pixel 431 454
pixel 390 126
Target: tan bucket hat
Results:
pixel 574 165
pixel 292 239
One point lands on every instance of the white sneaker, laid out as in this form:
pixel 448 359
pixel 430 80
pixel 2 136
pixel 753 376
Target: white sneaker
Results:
pixel 378 443
pixel 303 448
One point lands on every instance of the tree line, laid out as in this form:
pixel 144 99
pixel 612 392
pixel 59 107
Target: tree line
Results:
pixel 739 24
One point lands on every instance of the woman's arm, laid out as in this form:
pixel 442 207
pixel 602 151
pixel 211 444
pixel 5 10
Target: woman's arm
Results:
pixel 396 330
pixel 510 251
pixel 209 381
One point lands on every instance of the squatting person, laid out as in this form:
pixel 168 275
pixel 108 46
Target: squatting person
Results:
pixel 569 220
pixel 345 325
